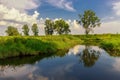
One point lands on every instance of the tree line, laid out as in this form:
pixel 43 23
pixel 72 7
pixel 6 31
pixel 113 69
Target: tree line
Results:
pixel 12 31
pixel 51 27
pixel 88 21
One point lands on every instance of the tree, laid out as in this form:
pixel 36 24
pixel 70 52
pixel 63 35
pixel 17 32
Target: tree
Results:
pixel 25 30
pixel 49 29
pixel 61 27
pixel 12 31
pixel 89 20
pixel 35 29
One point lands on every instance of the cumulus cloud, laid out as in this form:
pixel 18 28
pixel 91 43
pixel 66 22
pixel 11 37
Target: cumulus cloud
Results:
pixel 14 15
pixel 24 5
pixel 21 5
pixel 15 12
pixel 108 27
pixel 116 8
pixel 63 4
pixel 110 24
pixel 16 18
pixel 76 28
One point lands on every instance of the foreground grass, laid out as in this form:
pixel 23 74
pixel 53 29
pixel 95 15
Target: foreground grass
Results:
pixel 112 45
pixel 21 46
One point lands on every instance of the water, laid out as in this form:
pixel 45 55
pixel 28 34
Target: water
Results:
pixel 79 63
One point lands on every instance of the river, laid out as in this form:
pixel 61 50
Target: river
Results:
pixel 81 62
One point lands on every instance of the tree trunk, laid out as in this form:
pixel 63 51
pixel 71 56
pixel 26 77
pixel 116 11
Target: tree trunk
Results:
pixel 86 31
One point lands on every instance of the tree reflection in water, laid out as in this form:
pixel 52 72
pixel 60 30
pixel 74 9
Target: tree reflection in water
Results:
pixel 89 56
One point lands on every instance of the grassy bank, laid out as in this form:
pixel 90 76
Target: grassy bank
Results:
pixel 111 45
pixel 21 46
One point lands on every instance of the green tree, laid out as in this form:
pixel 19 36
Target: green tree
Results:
pixel 35 29
pixel 61 27
pixel 89 20
pixel 25 30
pixel 49 29
pixel 12 31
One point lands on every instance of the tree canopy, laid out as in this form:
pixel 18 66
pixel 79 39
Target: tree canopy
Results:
pixel 89 20
pixel 61 27
pixel 49 29
pixel 35 29
pixel 25 30
pixel 12 31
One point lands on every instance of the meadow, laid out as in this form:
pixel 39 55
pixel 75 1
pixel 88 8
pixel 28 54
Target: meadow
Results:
pixel 13 46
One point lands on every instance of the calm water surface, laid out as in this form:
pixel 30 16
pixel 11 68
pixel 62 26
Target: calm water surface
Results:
pixel 79 63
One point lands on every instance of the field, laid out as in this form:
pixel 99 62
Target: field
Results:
pixel 12 46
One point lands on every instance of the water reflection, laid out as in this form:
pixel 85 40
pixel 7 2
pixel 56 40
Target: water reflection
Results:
pixel 16 71
pixel 116 65
pixel 63 66
pixel 88 54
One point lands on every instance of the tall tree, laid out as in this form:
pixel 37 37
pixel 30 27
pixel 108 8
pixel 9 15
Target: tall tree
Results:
pixel 12 31
pixel 49 29
pixel 89 20
pixel 25 30
pixel 61 27
pixel 35 29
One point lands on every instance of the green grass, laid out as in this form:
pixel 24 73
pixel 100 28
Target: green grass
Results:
pixel 112 45
pixel 12 46
pixel 25 46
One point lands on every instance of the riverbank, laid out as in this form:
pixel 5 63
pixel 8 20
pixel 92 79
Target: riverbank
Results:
pixel 12 46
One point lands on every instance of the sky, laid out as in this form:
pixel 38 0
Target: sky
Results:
pixel 19 12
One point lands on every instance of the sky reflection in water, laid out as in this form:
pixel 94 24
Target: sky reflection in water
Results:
pixel 80 63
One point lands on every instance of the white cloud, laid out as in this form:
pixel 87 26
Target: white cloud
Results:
pixel 76 28
pixel 21 5
pixel 75 24
pixel 14 12
pixel 108 27
pixel 110 24
pixel 15 16
pixel 116 8
pixel 24 5
pixel 63 4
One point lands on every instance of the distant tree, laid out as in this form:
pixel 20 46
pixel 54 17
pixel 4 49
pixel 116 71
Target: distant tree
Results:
pixel 12 31
pixel 25 30
pixel 49 29
pixel 89 20
pixel 61 27
pixel 35 29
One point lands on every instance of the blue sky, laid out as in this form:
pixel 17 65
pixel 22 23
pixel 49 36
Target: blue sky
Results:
pixel 101 7
pixel 19 12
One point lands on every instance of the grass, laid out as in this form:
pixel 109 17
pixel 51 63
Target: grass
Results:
pixel 12 46
pixel 112 45
pixel 26 46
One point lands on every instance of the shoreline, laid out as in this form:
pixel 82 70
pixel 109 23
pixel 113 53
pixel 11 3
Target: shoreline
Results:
pixel 14 46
